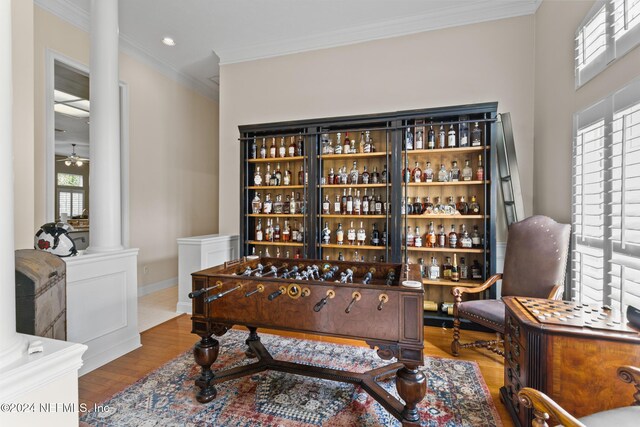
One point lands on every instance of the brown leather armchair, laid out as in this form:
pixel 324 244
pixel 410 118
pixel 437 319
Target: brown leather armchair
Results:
pixel 534 266
pixel 544 407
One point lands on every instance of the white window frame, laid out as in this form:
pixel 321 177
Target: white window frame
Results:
pixel 74 191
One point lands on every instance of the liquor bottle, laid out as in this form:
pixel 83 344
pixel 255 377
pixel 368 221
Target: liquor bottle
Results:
pixel 379 205
pixel 464 271
pixel 300 204
pixel 383 175
pixel 267 175
pixel 437 206
pixel 476 270
pixel 443 175
pixel 257 177
pixel 417 206
pixel 286 176
pixel 417 238
pixel 442 237
pixel 364 208
pixel 301 176
pixel 375 235
pixel 277 252
pixel 337 205
pixel 286 232
pixel 355 256
pixel 365 175
pixel 372 203
pixel 300 233
pixel 408 207
pixel 427 206
pixel 351 234
pixel 431 236
pixel 406 173
pixel 455 274
pixel 453 237
pixel 361 235
pixel 344 176
pixel 282 151
pixel 339 234
pixel 451 137
pixel 278 205
pixel 326 204
pixel 287 253
pixel 349 204
pixel 474 207
pixel 383 239
pixel 331 177
pixel 297 255
pixel 293 205
pixel 353 175
pixel 434 269
pixel 338 149
pixel 346 148
pixel 464 133
pixel 272 148
pixel 408 141
pixel 428 173
pixel 362 143
pixel 268 231
pixel 375 176
pixel 263 149
pixel 325 143
pixel 326 233
pixel 340 256
pixel 278 175
pixel 286 206
pixel 419 141
pixel 357 204
pixel 442 136
pixel 446 268
pixel 256 204
pixel 267 206
pixel 295 232
pixel 455 172
pixel 417 173
pixel 423 270
pixel 451 206
pixel 266 253
pixel 276 231
pixel 476 240
pixel 480 170
pixel 465 239
pixel 292 148
pixel 368 148
pixel 254 149
pixel 431 138
pixel 476 136
pixel 462 206
pixel 467 172
pixel 259 235
pixel 409 237
pixel 300 146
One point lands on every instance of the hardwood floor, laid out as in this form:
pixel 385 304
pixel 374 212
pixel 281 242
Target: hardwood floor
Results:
pixel 166 341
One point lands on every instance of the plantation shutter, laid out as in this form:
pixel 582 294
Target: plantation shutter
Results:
pixel 592 53
pixel 626 25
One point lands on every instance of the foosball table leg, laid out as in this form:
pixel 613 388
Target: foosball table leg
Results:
pixel 253 336
pixel 411 384
pixel 205 353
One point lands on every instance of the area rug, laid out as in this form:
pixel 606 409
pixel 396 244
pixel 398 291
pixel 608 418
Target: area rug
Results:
pixel 456 393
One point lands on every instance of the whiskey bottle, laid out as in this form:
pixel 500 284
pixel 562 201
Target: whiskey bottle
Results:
pixel 286 232
pixel 268 232
pixel 277 205
pixel 368 147
pixel 301 233
pixel 349 205
pixel 446 268
pixel 372 203
pixel 339 235
pixel 292 148
pixel 340 256
pixel 453 237
pixel 474 207
pixel 267 206
pixel 326 204
pixel 383 239
pixel 476 240
pixel 277 252
pixel 464 272
pixel 442 237
pixel 357 204
pixel 443 175
pixel 286 176
pixel 272 148
pixel 353 176
pixel 287 253
pixel 293 205
pixel 383 175
pixel 337 206
pixel 419 141
pixel 325 143
pixel 427 206
pixel 375 176
pixel 263 149
pixel 409 237
pixel 476 136
pixel 428 173
pixel 437 206
pixel 361 235
pixel 417 173
pixel 455 274
pixel 254 149
pixel 301 205
pixel 476 270
pixel 365 204
pixel 417 238
pixel 451 206
pixel 351 234
pixel 417 206
pixel 344 176
pixel 431 236
pixel 300 146
pixel 431 138
pixel 462 206
pixel 257 177
pixel 355 256
pixel 267 175
pixel 365 175
pixel 362 143
pixel 338 149
pixel 276 231
pixel 346 148
pixel 467 172
pixel 465 239
pixel 407 175
pixel 286 206
pixel 451 137
pixel 259 235
pixel 407 208
pixel 442 136
pixel 434 269
pixel 301 176
pixel 455 172
pixel 278 175
pixel 379 210
pixel 375 235
pixel 282 151
pixel 295 232
pixel 464 134
pixel 423 270
pixel 326 233
pixel 480 170
pixel 408 141
pixel 256 204
pixel 331 177
pixel 266 253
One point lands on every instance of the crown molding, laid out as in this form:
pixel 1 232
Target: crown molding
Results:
pixel 79 18
pixel 452 16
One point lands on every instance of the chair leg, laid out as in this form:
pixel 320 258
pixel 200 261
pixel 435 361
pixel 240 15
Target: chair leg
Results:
pixel 455 344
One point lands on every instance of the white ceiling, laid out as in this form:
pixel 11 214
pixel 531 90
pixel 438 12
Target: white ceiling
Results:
pixel 242 30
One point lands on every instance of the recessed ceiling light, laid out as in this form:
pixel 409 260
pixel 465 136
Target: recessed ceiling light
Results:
pixel 168 41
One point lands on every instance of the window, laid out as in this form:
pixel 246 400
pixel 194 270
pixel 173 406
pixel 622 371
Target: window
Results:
pixel 606 201
pixel 592 39
pixel 70 202
pixel 70 180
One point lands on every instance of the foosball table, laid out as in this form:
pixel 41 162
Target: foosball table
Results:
pixel 379 303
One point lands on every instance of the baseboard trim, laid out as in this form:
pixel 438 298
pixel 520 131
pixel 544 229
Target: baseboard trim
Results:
pixel 183 307
pixel 157 286
pixel 97 360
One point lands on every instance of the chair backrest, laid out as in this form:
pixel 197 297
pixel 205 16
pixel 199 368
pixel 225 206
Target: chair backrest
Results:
pixel 536 257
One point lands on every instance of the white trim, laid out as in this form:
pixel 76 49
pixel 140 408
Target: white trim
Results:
pixel 207 238
pixel 85 258
pixel 67 11
pixel 157 286
pixel 183 307
pixel 124 163
pixel 120 349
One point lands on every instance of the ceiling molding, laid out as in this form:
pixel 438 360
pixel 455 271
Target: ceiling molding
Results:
pixel 79 18
pixel 480 11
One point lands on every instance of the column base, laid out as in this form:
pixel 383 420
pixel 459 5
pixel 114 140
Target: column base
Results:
pixel 17 347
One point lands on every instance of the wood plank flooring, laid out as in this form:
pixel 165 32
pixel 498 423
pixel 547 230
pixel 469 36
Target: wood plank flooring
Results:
pixel 167 340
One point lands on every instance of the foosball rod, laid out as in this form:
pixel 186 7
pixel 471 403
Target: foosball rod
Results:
pixel 222 294
pixel 196 294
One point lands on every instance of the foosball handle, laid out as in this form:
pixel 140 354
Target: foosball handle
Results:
pixel 323 301
pixel 276 294
pixel 383 299
pixel 259 288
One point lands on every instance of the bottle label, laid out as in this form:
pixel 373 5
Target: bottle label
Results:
pixel 292 151
pixel 351 235
pixel 336 207
pixel 453 241
pixel 267 208
pixel 295 235
pixel 375 241
pixel 356 207
pixel 259 235
pixel 257 180
pixel 417 175
pixel 365 206
pixel 441 240
pixel 417 242
pixel 361 236
pixel 365 179
pixel 272 152
pixel 349 206
pixel 466 243
pixel 475 241
pixel 282 152
pixel 286 180
pixel 325 207
pixel 339 236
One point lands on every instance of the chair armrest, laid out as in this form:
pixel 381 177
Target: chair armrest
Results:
pixel 458 291
pixel 543 407
pixel 631 375
pixel 556 292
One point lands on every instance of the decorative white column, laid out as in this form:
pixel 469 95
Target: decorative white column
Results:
pixel 104 178
pixel 11 344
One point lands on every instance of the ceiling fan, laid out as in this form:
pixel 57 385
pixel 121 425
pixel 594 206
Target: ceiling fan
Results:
pixel 73 159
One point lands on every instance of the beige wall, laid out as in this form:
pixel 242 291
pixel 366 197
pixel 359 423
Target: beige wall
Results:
pixel 173 152
pixel 556 100
pixel 485 62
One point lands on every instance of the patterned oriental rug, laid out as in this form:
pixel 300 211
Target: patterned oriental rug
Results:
pixel 456 393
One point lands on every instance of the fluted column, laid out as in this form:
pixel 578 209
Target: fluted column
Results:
pixel 105 223
pixel 10 341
